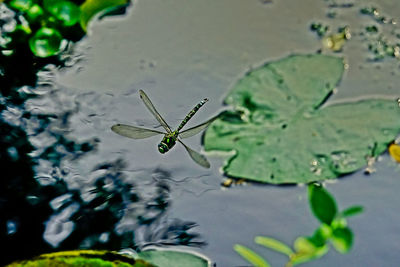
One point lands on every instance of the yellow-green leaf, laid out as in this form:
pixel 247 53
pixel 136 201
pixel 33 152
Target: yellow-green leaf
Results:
pixel 251 256
pixel 273 244
pixel 92 7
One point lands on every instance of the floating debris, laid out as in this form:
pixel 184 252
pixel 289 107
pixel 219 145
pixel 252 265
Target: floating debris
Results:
pixel 394 151
pixel 335 42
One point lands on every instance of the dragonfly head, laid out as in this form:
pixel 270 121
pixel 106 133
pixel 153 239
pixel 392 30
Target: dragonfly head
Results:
pixel 162 148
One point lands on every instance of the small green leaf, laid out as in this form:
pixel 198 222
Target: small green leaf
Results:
pixel 92 7
pixel 321 235
pixel 21 5
pixel 273 244
pixel 304 246
pixel 322 203
pixel 342 239
pixel 307 251
pixel 65 11
pixel 251 256
pixel 46 42
pixel 34 13
pixel 354 210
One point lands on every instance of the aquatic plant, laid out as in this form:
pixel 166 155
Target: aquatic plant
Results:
pixel 282 128
pixel 333 230
pixel 45 24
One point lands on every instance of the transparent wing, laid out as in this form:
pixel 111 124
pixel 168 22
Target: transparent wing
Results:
pixel 196 129
pixel 133 132
pixel 153 111
pixel 197 157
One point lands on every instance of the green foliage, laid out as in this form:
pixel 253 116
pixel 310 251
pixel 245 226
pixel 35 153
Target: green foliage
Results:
pixel 333 230
pixel 48 22
pixel 45 42
pixel 281 132
pixel 64 11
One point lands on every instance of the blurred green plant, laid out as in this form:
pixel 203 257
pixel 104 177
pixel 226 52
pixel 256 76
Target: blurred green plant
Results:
pixel 333 230
pixel 47 25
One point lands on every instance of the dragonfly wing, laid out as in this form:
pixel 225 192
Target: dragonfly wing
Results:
pixel 197 157
pixel 196 129
pixel 153 110
pixel 133 132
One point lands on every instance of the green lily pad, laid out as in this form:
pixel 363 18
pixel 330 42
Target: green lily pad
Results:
pixel 281 133
pixel 172 258
pixel 82 258
pixel 92 7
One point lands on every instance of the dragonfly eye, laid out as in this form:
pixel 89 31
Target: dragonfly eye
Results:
pixel 162 148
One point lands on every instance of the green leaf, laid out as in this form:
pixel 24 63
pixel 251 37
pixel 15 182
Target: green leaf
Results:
pixel 354 210
pixel 342 239
pixel 321 235
pixel 171 258
pixel 92 7
pixel 65 11
pixel 280 133
pixel 251 256
pixel 21 5
pixel 46 42
pixel 34 13
pixel 307 251
pixel 322 203
pixel 80 258
pixel 274 244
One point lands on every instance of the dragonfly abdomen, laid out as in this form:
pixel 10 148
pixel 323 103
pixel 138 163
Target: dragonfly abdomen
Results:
pixel 191 114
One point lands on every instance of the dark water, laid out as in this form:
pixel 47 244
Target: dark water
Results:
pixel 69 182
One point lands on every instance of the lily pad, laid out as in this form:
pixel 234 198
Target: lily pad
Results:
pixel 82 258
pixel 173 258
pixel 281 132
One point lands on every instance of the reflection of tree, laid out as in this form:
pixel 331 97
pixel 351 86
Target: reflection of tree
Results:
pixel 45 213
pixel 37 216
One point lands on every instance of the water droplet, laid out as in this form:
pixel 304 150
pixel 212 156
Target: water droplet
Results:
pixel 343 161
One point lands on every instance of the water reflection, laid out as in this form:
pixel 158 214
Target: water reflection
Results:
pixel 56 193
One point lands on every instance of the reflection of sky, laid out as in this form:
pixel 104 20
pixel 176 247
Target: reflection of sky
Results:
pixel 60 226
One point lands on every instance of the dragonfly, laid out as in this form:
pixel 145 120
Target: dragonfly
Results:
pixel 170 137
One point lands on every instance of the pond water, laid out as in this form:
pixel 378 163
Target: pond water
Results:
pixel 180 53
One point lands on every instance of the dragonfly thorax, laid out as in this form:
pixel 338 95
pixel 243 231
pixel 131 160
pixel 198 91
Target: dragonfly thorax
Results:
pixel 167 142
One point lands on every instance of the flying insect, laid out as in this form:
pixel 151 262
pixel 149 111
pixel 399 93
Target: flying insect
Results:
pixel 170 137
